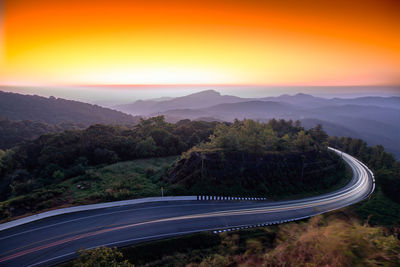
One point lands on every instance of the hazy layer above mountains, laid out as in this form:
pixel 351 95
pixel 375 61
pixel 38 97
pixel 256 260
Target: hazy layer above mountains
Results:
pixel 374 119
pixel 113 95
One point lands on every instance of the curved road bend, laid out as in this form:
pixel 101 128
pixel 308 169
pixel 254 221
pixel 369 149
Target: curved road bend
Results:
pixel 56 239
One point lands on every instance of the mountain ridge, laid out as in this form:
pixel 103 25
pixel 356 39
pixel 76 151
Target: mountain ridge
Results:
pixel 374 119
pixel 200 99
pixel 58 110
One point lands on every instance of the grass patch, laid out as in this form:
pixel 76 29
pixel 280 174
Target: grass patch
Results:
pixel 119 181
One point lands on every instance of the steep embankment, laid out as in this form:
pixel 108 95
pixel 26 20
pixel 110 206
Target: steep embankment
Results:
pixel 271 174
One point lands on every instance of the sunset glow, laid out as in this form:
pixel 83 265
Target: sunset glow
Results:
pixel 212 42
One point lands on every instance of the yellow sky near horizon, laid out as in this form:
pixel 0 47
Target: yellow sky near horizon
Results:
pixel 206 42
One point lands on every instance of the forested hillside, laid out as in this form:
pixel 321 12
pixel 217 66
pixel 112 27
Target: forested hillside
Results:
pixel 276 159
pixel 37 171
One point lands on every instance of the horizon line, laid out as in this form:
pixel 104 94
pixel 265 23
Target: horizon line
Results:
pixel 197 84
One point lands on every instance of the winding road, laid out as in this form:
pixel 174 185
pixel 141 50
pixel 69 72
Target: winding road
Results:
pixel 56 239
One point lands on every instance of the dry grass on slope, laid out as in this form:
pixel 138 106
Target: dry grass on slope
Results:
pixel 333 241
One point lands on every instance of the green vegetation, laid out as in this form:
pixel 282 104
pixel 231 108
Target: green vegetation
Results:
pixel 278 159
pixel 44 173
pixel 101 257
pixel 272 175
pixel 255 137
pixel 119 181
pixel 334 239
pixel 379 210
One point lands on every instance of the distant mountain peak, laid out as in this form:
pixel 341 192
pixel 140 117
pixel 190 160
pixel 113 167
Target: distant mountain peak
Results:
pixel 209 92
pixel 202 99
pixel 303 95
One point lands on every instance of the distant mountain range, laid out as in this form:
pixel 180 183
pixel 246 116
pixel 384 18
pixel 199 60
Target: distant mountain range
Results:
pixel 374 119
pixel 56 111
pixel 202 99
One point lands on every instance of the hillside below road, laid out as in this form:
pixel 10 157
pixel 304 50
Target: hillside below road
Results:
pixel 56 239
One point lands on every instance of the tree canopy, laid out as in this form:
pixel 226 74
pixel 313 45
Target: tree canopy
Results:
pixel 56 156
pixel 257 137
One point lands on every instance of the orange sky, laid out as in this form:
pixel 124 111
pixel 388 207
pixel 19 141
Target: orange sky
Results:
pixel 50 42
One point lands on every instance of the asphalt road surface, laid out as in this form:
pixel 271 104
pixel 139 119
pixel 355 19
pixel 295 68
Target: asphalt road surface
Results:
pixel 56 239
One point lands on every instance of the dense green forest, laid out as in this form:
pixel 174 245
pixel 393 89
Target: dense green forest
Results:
pixel 247 158
pixel 37 174
pixel 64 155
pixel 70 167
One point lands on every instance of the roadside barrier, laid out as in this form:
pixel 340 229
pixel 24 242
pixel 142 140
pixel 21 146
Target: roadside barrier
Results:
pixel 230 198
pixel 56 212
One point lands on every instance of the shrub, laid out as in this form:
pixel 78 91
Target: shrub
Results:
pixel 101 257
